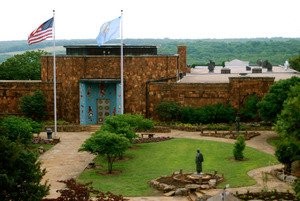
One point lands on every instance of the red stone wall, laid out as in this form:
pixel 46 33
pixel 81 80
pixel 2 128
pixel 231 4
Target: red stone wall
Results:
pixel 137 71
pixel 242 87
pixel 12 91
pixel 143 86
pixel 200 94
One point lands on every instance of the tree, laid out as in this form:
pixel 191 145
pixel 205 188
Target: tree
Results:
pixel 239 147
pixel 20 173
pixel 295 62
pixel 107 144
pixel 288 123
pixel 288 126
pixel 272 103
pixel 34 106
pixel 26 66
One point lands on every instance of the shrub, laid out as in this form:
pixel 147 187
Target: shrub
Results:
pixel 20 173
pixel 218 113
pixel 287 152
pixel 76 191
pixel 34 106
pixel 135 121
pixel 249 110
pixel 168 111
pixel 239 147
pixel 297 189
pixel 17 129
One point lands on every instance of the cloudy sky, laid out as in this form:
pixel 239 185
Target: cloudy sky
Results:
pixel 188 19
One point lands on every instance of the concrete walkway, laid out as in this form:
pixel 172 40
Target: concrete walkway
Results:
pixel 64 161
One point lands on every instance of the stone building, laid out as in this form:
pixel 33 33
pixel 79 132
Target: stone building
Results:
pixel 88 83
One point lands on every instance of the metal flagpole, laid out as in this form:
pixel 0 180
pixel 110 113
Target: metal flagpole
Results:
pixel 54 77
pixel 122 63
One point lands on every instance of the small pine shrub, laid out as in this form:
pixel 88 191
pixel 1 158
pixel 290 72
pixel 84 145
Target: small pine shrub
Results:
pixel 239 147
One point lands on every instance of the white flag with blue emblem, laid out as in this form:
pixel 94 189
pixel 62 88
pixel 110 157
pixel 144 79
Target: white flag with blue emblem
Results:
pixel 108 31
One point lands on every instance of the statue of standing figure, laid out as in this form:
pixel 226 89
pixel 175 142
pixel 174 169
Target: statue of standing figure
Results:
pixel 199 160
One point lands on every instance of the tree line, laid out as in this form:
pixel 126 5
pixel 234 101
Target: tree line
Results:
pixel 199 51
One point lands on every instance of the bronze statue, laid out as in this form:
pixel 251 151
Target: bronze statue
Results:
pixel 199 160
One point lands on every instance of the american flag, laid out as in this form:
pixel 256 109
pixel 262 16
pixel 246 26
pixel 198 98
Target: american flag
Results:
pixel 43 32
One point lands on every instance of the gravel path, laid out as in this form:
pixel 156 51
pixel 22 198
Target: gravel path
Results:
pixel 64 161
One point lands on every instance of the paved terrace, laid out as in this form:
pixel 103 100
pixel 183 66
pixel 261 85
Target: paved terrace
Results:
pixel 200 74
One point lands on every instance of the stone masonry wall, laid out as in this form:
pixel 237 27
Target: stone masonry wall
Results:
pixel 242 87
pixel 200 94
pixel 12 91
pixel 137 71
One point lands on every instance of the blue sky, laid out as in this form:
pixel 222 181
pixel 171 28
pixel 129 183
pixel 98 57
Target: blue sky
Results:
pixel 189 19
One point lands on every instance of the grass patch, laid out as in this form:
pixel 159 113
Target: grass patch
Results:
pixel 274 141
pixel 145 162
pixel 35 147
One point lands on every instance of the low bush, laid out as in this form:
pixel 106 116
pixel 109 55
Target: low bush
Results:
pixel 19 129
pixel 218 113
pixel 249 110
pixel 168 111
pixel 135 121
pixel 34 106
pixel 83 192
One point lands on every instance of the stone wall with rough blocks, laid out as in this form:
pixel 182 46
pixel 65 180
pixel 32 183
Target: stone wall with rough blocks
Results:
pixel 242 87
pixel 137 71
pixel 12 91
pixel 200 94
pixel 148 80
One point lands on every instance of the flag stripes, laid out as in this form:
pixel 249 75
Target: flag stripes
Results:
pixel 43 32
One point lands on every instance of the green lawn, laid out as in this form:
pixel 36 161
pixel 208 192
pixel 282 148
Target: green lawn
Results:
pixel 145 162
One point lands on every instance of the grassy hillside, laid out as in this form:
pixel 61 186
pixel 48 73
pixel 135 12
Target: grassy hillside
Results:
pixel 276 50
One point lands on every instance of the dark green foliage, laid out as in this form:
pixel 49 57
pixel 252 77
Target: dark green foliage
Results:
pixel 34 106
pixel 288 123
pixel 115 124
pixel 135 121
pixel 295 62
pixel 239 147
pixel 107 144
pixel 168 111
pixel 276 50
pixel 297 189
pixel 217 113
pixel 16 129
pixel 287 151
pixel 272 103
pixel 26 66
pixel 20 173
pixel 249 110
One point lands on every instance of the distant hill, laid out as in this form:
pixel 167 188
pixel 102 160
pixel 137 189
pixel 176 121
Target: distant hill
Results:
pixel 276 50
